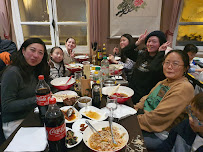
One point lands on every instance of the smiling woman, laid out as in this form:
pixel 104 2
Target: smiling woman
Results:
pixel 164 105
pixel 19 81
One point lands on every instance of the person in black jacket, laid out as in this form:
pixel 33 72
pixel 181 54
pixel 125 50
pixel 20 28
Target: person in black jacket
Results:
pixel 148 67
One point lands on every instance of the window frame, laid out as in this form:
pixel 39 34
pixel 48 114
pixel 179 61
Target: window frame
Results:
pixel 200 52
pixel 80 49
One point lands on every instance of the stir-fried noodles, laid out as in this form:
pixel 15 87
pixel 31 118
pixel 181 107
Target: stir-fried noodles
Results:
pixel 105 143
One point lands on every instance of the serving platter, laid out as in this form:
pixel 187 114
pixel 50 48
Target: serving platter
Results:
pixel 99 126
pixel 62 94
pixel 93 113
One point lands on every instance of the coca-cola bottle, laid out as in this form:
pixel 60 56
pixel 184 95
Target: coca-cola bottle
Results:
pixel 55 127
pixel 43 95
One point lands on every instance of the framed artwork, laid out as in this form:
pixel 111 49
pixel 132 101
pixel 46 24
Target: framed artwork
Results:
pixel 134 17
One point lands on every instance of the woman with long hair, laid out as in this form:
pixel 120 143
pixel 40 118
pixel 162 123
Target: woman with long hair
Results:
pixel 19 81
pixel 126 43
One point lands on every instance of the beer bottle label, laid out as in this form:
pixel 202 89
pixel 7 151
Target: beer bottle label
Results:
pixel 43 100
pixel 57 133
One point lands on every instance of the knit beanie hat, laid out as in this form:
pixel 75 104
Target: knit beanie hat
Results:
pixel 159 34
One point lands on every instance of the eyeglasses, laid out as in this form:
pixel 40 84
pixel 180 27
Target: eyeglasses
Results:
pixel 173 64
pixel 195 119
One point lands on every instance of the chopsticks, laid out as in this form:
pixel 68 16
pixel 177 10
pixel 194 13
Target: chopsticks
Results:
pixel 114 90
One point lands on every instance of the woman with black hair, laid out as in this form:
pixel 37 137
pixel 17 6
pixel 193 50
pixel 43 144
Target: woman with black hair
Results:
pixel 126 42
pixel 57 68
pixel 148 67
pixel 19 81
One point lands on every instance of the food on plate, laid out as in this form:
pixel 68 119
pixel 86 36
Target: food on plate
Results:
pixel 70 118
pixel 68 99
pixel 93 115
pixel 71 139
pixel 64 96
pixel 121 95
pixel 105 143
pixel 83 127
pixel 76 66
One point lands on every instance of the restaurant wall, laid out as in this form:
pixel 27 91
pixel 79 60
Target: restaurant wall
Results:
pixel 105 21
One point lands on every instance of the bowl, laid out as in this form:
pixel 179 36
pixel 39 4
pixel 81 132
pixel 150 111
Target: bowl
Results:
pixel 74 67
pixel 109 82
pixel 121 90
pixel 102 124
pixel 84 101
pixel 115 69
pixel 60 83
pixel 81 58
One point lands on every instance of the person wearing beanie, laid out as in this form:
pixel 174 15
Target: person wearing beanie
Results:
pixel 126 42
pixel 148 67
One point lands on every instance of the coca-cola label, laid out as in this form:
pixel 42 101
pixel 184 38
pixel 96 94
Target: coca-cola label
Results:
pixel 57 133
pixel 43 100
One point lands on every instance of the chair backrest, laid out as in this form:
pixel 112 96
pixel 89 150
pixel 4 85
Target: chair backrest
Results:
pixel 194 81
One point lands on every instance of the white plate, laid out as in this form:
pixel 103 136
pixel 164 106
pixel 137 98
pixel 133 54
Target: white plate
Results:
pixel 81 57
pixel 116 58
pixel 93 109
pixel 66 92
pixel 77 134
pixel 77 114
pixel 77 123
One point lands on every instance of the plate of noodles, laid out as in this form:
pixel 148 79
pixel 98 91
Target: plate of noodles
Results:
pixel 104 143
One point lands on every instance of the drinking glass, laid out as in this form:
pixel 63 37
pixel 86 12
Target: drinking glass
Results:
pixel 111 104
pixel 77 85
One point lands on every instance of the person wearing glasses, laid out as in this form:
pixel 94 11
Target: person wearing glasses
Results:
pixel 163 107
pixel 188 135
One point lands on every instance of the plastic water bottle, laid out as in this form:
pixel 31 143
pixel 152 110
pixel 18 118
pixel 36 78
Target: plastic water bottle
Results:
pixel 104 69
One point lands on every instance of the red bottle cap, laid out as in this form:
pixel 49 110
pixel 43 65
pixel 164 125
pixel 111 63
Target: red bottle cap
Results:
pixel 41 77
pixel 52 100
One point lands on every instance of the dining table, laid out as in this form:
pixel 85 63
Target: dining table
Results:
pixel 130 123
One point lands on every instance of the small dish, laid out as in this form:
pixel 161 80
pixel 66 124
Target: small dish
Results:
pixel 82 103
pixel 77 125
pixel 93 113
pixel 76 134
pixel 75 117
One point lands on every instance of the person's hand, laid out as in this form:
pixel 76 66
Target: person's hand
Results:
pixel 115 50
pixel 142 38
pixel 72 53
pixel 199 70
pixel 112 59
pixel 164 46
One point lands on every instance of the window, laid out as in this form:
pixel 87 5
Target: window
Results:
pixel 53 21
pixel 189 27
